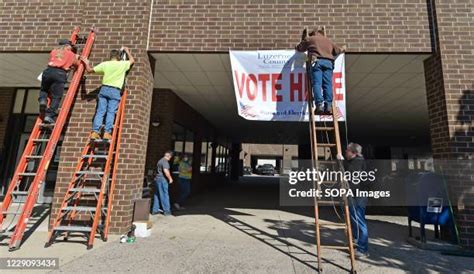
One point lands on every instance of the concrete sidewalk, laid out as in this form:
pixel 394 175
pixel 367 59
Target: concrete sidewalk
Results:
pixel 242 229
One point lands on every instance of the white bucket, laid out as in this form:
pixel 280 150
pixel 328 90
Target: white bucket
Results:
pixel 142 230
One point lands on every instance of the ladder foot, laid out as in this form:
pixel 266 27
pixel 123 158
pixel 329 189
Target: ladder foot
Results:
pixel 11 249
pixel 89 247
pixel 48 244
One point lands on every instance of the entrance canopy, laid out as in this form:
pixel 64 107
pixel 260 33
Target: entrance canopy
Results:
pixel 386 97
pixel 21 69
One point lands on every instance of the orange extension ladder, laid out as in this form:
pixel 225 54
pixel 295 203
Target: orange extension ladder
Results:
pixel 91 188
pixel 326 132
pixel 33 165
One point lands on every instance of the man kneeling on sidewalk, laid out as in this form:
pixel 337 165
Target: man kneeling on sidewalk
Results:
pixel 114 72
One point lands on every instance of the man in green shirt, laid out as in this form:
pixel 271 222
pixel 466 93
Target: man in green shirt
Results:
pixel 113 72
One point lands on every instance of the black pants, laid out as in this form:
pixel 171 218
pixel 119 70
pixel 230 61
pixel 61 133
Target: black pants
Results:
pixel 52 82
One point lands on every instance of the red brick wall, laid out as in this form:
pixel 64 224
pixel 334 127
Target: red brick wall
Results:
pixel 217 25
pixel 436 100
pixel 37 25
pixel 450 91
pixel 159 138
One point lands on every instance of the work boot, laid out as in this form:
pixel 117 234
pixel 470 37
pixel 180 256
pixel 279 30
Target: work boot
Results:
pixel 107 136
pixel 328 109
pixel 43 104
pixel 48 120
pixel 319 109
pixel 94 135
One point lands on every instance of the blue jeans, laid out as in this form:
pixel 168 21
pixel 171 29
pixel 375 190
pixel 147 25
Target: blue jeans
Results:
pixel 321 73
pixel 161 198
pixel 184 190
pixel 359 224
pixel 108 101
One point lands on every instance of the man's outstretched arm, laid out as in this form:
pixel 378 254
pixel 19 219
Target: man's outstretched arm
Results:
pixel 302 46
pixel 130 57
pixel 87 65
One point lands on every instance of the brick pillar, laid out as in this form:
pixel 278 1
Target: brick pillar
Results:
pixel 118 23
pixel 159 136
pixel 450 95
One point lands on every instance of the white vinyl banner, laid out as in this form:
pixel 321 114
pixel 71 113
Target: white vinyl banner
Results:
pixel 270 85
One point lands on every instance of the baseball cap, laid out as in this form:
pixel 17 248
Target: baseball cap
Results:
pixel 63 42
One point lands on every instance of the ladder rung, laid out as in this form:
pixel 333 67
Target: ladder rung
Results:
pixel 24 193
pixel 327 162
pixel 86 190
pixel 331 224
pixel 12 212
pixel 326 145
pixel 46 125
pixel 88 172
pixel 6 233
pixel 329 183
pixel 95 156
pixel 28 174
pixel 334 246
pixel 79 208
pixel 34 157
pixel 101 141
pixel 93 179
pixel 40 140
pixel 73 228
pixel 329 202
pixel 325 128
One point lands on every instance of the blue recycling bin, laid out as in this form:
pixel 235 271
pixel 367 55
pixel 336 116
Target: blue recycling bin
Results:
pixel 428 204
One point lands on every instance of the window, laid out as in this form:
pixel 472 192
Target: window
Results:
pixel 20 96
pixel 206 151
pixel 178 137
pixel 32 105
pixel 189 143
pixel 26 101
pixel 183 143
pixel 221 159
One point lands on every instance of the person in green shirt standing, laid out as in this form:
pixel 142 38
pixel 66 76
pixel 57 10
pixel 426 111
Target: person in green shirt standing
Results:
pixel 113 72
pixel 185 174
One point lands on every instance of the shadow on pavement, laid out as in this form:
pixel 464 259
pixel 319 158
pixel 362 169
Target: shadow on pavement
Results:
pixel 388 246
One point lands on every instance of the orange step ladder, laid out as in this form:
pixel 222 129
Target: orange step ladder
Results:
pixel 33 165
pixel 330 142
pixel 91 189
